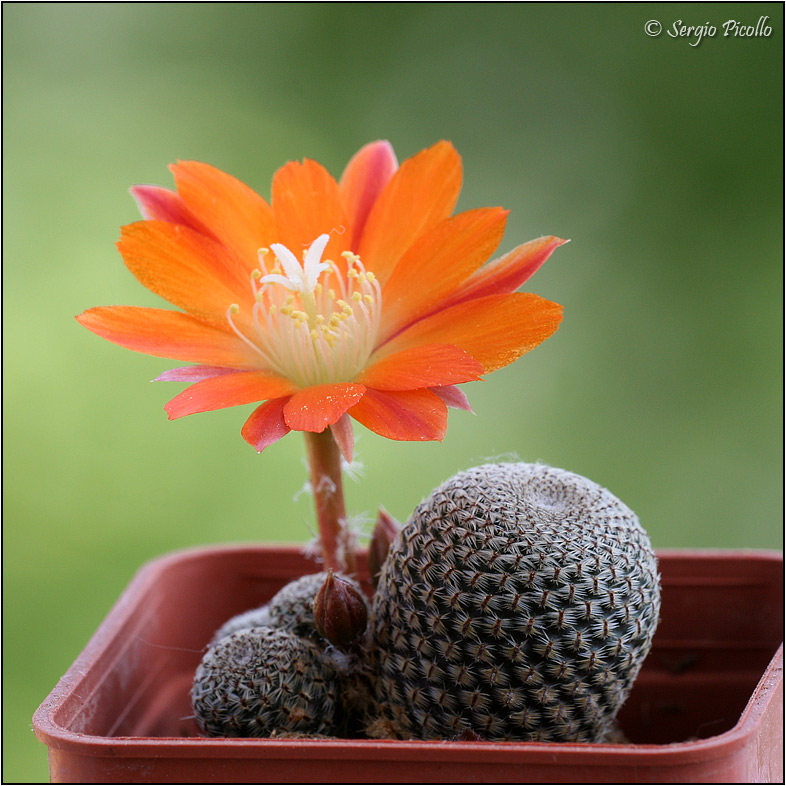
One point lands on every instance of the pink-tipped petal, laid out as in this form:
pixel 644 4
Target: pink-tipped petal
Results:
pixel 453 397
pixel 345 437
pixel 160 204
pixel 266 424
pixel 362 182
pixel 193 373
pixel 508 272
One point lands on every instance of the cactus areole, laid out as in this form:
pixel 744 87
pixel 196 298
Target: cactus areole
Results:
pixel 517 603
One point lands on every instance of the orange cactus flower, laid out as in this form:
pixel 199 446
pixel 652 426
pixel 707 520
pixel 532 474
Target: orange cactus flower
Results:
pixel 363 298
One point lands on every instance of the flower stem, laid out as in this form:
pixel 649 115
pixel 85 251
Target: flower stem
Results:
pixel 324 460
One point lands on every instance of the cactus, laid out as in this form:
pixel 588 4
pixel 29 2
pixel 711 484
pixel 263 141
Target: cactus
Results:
pixel 259 682
pixel 518 603
pixel 269 671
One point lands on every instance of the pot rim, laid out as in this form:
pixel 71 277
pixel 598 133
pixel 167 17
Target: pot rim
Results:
pixel 56 736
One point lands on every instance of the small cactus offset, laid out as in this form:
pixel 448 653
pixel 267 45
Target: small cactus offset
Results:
pixel 258 682
pixel 518 603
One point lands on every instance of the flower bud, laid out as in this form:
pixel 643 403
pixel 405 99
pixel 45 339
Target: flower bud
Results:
pixel 385 531
pixel 340 611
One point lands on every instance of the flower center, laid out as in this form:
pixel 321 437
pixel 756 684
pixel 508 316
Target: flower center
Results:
pixel 314 323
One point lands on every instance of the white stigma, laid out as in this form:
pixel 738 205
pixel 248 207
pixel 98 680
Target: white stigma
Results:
pixel 297 278
pixel 315 323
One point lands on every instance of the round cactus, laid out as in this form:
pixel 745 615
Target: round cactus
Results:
pixel 263 681
pixel 518 602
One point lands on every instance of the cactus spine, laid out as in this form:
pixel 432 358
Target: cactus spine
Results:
pixel 518 602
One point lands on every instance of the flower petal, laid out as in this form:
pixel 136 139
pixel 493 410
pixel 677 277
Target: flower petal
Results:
pixel 161 204
pixel 193 373
pixel 307 203
pixel 453 397
pixel 232 211
pixel 439 262
pixel 416 415
pixel 169 334
pixel 495 330
pixel 314 408
pixel 509 272
pixel 230 390
pixel 425 366
pixel 423 191
pixel 363 180
pixel 344 436
pixel 266 424
pixel 188 269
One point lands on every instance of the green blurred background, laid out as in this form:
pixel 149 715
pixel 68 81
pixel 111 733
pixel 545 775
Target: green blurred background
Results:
pixel 662 161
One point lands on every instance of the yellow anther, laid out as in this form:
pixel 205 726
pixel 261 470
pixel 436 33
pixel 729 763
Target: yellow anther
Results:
pixel 341 303
pixel 256 274
pixel 290 300
pixel 234 308
pixel 334 321
pixel 332 294
pixel 314 334
pixel 369 299
pixel 260 295
pixel 352 273
pixel 286 310
pixel 272 310
pixel 370 276
pixel 318 289
pixel 357 297
pixel 319 319
pixel 261 252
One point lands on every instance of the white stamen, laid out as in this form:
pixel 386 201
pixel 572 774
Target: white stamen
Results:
pixel 302 329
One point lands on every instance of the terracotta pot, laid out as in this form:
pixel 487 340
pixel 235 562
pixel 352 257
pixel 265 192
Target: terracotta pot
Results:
pixel 707 707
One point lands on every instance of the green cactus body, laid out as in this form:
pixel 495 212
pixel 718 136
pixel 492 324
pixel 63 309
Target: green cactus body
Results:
pixel 518 602
pixel 263 681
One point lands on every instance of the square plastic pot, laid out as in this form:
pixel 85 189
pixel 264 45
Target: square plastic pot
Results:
pixel 707 706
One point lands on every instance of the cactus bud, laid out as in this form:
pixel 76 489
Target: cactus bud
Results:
pixel 385 531
pixel 340 611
